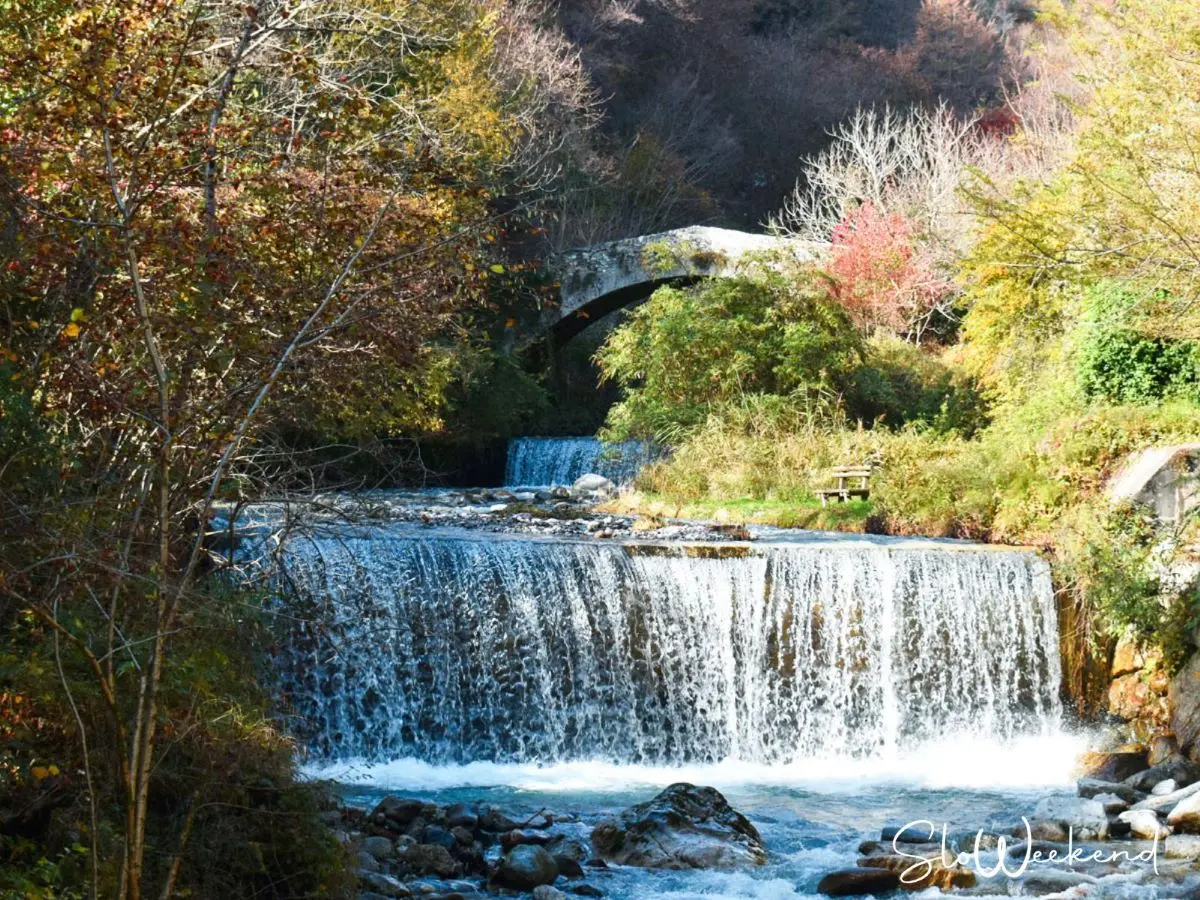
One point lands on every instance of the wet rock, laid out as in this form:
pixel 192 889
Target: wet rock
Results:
pixel 1118 827
pixel 525 867
pixel 396 812
pixel 377 846
pixel 1162 748
pixel 510 839
pixel 1090 787
pixel 461 815
pixel 586 890
pixel 1112 803
pixel 1057 817
pixel 1169 786
pixel 1176 769
pixel 1144 824
pixel 491 819
pixel 365 862
pixel 1052 881
pixel 939 871
pixel 905 835
pixel 1185 815
pixel 430 859
pixel 596 864
pixel 558 492
pixel 1167 801
pixel 546 892
pixel 1113 766
pixel 567 867
pixel 385 885
pixel 593 483
pixel 569 848
pixel 1182 846
pixel 464 836
pixel 856 882
pixel 684 827
pixel 436 834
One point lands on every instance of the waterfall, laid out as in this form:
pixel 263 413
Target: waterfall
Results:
pixel 543 461
pixel 453 646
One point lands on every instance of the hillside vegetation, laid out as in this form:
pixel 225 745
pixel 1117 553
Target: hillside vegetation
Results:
pixel 1024 308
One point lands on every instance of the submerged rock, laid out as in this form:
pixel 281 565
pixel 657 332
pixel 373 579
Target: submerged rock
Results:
pixel 684 827
pixel 1055 818
pixel 856 882
pixel 525 867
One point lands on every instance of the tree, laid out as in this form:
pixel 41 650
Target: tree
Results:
pixel 883 278
pixel 221 219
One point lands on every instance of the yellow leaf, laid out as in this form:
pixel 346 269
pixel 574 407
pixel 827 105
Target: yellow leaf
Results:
pixel 54 770
pixel 71 331
pixel 498 269
pixel 77 314
pixel 39 773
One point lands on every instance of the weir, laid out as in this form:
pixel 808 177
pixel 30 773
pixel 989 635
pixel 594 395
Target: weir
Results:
pixel 545 461
pixel 455 646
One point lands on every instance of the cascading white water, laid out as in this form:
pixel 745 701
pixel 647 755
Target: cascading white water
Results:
pixel 451 647
pixel 543 461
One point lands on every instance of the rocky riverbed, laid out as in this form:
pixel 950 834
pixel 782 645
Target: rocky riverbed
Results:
pixel 550 512
pixel 689 842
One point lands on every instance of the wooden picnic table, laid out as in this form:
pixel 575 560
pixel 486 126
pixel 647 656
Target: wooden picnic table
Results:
pixel 845 490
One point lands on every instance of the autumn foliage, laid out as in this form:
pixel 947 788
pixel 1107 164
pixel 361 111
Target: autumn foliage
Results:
pixel 883 276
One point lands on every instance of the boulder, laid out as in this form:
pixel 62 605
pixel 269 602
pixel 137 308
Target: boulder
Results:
pixel 546 892
pixel 1091 787
pixel 1111 803
pixel 916 876
pixel 385 885
pixel 1184 694
pixel 461 815
pixel 1177 769
pixel 1169 786
pixel 1185 815
pixel 1057 817
pixel 593 483
pixel 1182 846
pixel 396 812
pixel 1053 881
pixel 377 846
pixel 1144 824
pixel 430 859
pixel 491 819
pixel 365 862
pixel 510 839
pixel 1167 801
pixel 1162 748
pixel 1113 766
pixel 525 867
pixel 684 827
pixel 857 882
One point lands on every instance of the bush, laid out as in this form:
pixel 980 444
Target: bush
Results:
pixel 1119 365
pixel 686 353
pixel 899 383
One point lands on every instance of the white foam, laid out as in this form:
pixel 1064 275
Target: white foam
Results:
pixel 963 763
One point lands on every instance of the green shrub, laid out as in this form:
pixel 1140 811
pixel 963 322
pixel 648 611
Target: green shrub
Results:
pixel 899 383
pixel 686 353
pixel 1120 365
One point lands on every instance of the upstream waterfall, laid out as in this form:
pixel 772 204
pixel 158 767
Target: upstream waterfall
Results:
pixel 544 461
pixel 453 646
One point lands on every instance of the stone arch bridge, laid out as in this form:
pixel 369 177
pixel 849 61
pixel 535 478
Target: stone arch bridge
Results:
pixel 598 280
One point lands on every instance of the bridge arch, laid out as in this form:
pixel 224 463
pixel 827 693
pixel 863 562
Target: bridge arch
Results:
pixel 601 279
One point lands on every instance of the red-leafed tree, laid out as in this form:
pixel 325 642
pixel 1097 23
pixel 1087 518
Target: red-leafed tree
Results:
pixel 883 276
